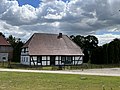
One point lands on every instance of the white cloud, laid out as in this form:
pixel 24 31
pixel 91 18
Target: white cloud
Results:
pixel 114 30
pixel 106 38
pixel 16 15
pixel 11 30
pixel 54 16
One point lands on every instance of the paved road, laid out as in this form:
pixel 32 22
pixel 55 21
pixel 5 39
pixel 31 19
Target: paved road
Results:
pixel 100 72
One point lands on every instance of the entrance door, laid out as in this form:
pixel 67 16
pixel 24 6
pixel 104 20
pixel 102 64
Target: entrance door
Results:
pixel 52 60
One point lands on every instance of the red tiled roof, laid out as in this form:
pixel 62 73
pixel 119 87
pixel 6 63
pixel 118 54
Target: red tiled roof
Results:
pixel 3 41
pixel 50 44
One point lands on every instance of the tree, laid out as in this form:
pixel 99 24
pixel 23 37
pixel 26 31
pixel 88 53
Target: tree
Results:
pixel 114 51
pixel 12 40
pixel 88 44
pixel 79 40
pixel 2 34
pixel 16 44
pixel 97 55
pixel 91 42
pixel 107 54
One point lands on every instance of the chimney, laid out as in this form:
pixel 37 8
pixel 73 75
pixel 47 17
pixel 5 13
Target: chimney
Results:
pixel 60 35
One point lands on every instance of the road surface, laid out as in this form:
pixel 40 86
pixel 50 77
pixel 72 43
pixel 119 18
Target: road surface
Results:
pixel 100 72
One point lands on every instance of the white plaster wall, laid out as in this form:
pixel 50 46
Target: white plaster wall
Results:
pixel 34 58
pixel 24 53
pixel 78 62
pixel 33 63
pixel 81 58
pixel 48 62
pixel 77 57
pixel 56 63
pixel 56 58
pixel 43 63
pixel 73 62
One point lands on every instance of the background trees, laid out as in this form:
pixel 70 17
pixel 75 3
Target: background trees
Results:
pixel 16 44
pixel 105 54
pixel 88 44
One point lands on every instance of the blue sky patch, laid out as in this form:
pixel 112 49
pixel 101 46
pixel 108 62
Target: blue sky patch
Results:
pixel 34 3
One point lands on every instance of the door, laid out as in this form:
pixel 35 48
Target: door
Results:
pixel 52 60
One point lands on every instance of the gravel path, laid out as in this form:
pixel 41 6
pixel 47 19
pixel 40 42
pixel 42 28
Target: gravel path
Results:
pixel 100 72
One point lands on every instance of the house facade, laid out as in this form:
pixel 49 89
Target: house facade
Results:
pixel 51 50
pixel 5 49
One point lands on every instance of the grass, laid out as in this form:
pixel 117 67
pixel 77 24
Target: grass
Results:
pixel 42 81
pixel 15 65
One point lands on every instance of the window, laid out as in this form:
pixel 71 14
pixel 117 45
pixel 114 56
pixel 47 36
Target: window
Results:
pixel 4 58
pixel 26 59
pixel 39 59
pixel 63 59
pixel 69 60
pixel 22 59
pixel 34 58
pixel 43 57
pixel 24 50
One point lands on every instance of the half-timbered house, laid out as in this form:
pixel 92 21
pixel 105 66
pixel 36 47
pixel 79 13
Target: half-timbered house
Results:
pixel 51 49
pixel 6 50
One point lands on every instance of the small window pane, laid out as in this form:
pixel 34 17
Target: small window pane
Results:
pixel 69 60
pixel 4 58
pixel 43 57
pixel 63 59
pixel 39 59
pixel 24 50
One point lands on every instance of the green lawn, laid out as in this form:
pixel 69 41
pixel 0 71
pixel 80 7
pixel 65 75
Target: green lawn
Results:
pixel 41 81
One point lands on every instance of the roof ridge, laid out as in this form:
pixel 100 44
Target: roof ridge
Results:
pixel 48 33
pixel 28 41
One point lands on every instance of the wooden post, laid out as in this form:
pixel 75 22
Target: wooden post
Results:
pixel 9 63
pixel 30 60
pixel 3 63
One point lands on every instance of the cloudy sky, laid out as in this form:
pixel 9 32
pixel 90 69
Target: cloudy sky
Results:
pixel 22 18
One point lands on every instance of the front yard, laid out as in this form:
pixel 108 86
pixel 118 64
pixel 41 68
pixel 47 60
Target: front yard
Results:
pixel 42 81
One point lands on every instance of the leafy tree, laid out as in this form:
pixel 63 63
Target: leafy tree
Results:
pixel 79 40
pixel 16 44
pixel 91 42
pixel 97 56
pixel 2 34
pixel 107 54
pixel 88 44
pixel 114 51
pixel 12 40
